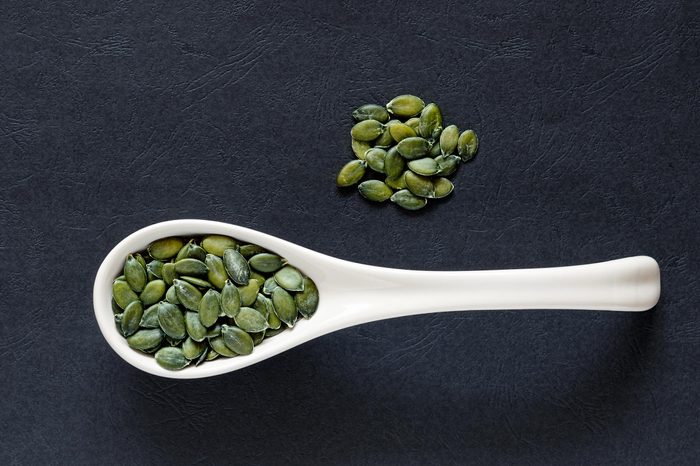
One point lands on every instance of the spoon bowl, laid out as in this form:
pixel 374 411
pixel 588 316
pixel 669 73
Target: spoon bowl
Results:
pixel 352 294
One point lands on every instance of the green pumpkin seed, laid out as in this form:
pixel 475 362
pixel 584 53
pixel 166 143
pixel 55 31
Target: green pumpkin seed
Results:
pixel 255 275
pixel 171 320
pixel 401 131
pixel 131 318
pixel 285 308
pixel 430 120
pixel 407 200
pixel 250 320
pixel 249 292
pixel 405 106
pixel 448 139
pixel 260 304
pixel 193 349
pixel 435 137
pixel 120 278
pixel 211 354
pixel 203 356
pixel 153 292
pixel 374 190
pixel 434 149
pixel 425 166
pixel 171 358
pixel 269 285
pixel 165 248
pixel 150 317
pixel 385 140
pixel 290 278
pixel 141 260
pixel 237 340
pixel 359 148
pixel 123 294
pixel 273 322
pixel 154 269
pixel 413 123
pixel 217 273
pixel 194 327
pixel 443 187
pixel 375 159
pixel 266 262
pixel 209 308
pixel 230 299
pixel 414 148
pixel 145 340
pixel 187 294
pixel 191 250
pixel 115 307
pixel 367 130
pixel 447 164
pixel 467 145
pixel 420 185
pixel 171 295
pixel 135 274
pixel 307 300
pixel 218 344
pixel 398 182
pixel 257 337
pixel 217 244
pixel 351 173
pixel 370 112
pixel 213 332
pixel 249 250
pixel 190 267
pixel 169 273
pixel 236 266
pixel 394 164
pixel 197 281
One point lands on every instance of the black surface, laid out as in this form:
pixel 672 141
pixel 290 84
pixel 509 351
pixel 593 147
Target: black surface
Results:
pixel 115 115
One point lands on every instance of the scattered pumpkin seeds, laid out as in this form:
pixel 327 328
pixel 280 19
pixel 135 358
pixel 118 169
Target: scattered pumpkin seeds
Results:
pixel 351 173
pixel 367 130
pixel 371 112
pixel 179 299
pixel 405 106
pixel 408 200
pixel 375 190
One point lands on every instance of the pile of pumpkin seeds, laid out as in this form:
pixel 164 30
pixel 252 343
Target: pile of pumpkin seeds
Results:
pixel 193 301
pixel 405 143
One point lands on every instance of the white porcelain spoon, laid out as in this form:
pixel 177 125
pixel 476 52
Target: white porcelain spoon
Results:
pixel 352 294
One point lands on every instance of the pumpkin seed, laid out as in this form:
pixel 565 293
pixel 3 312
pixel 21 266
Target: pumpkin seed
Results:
pixel 237 340
pixel 236 266
pixel 191 266
pixel 290 278
pixel 154 269
pixel 256 276
pixel 351 173
pixel 448 139
pixel 198 282
pixel 371 112
pixel 384 141
pixel 398 182
pixel 414 148
pixel 249 250
pixel 420 185
pixel 401 131
pixel 434 149
pixel 467 145
pixel 285 308
pixel 191 250
pixel 394 164
pixel 153 292
pixel 405 106
pixel 123 294
pixel 257 337
pixel 150 317
pixel 249 292
pixel 217 273
pixel 408 200
pixel 213 332
pixel 209 308
pixel 141 260
pixel 430 120
pixel 171 320
pixel 375 159
pixel 307 300
pixel 413 123
pixel 145 339
pixel 374 190
pixel 269 285
pixel 203 356
pixel 165 248
pixel 187 294
pixel 120 278
pixel 273 321
pixel 219 346
pixel 250 320
pixel 359 148
pixel 193 349
pixel 425 166
pixel 169 273
pixel 367 130
pixel 230 299
pixel 194 327
pixel 447 164
pixel 171 358
pixel 135 273
pixel 171 295
pixel 217 244
pixel 211 354
pixel 131 318
pixel 443 187
pixel 266 262
pixel 260 305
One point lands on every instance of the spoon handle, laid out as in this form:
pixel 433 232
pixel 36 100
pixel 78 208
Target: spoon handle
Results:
pixel 630 284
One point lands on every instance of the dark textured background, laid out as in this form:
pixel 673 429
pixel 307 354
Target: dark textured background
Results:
pixel 115 115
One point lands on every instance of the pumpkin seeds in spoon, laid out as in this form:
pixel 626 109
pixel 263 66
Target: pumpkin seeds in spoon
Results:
pixel 209 308
pixel 285 308
pixel 135 273
pixel 217 244
pixel 171 358
pixel 165 248
pixel 171 320
pixel 236 339
pixel 217 273
pixel 230 299
pixel 266 262
pixel 236 266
